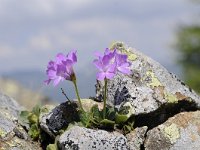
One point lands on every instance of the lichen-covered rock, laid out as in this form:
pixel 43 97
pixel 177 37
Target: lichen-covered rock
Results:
pixel 43 118
pixel 136 138
pixel 149 87
pixel 80 138
pixel 60 116
pixel 181 132
pixel 12 135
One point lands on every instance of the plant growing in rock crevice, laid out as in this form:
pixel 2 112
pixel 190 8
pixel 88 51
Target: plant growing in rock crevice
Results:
pixel 108 64
pixel 109 118
pixel 30 120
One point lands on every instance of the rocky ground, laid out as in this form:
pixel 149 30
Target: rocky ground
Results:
pixel 167 113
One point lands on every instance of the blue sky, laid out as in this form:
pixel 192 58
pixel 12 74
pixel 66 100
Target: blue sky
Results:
pixel 33 31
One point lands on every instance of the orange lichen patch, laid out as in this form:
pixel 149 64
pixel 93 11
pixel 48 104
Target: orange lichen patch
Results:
pixel 159 90
pixel 193 137
pixel 199 129
pixel 180 96
pixel 183 119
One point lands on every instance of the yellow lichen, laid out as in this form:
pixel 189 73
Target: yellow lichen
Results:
pixel 170 97
pixel 2 133
pixel 131 56
pixel 172 132
pixel 154 80
pixel 122 49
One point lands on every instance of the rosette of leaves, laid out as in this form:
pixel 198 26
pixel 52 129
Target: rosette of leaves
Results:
pixel 122 119
pixel 30 120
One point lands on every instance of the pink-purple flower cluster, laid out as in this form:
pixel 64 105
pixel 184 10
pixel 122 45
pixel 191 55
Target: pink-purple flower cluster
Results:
pixel 61 68
pixel 110 63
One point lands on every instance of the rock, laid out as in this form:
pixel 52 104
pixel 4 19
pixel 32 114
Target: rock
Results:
pixel 60 116
pixel 136 138
pixel 148 88
pixel 43 119
pixel 80 138
pixel 181 132
pixel 12 135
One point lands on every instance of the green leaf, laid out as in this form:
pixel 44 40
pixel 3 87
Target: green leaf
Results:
pixel 44 110
pixel 85 118
pixel 36 110
pixel 107 123
pixel 127 128
pixel 24 116
pixel 110 114
pixel 33 118
pixel 120 119
pixel 34 132
pixel 52 147
pixel 96 113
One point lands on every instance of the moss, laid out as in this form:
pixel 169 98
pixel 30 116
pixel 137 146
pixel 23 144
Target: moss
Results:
pixel 154 80
pixel 172 132
pixel 170 98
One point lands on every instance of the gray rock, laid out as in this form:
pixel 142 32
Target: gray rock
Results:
pixel 181 132
pixel 136 138
pixel 12 135
pixel 80 138
pixel 148 88
pixel 43 119
pixel 58 117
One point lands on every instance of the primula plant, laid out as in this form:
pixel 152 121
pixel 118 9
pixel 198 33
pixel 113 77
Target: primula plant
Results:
pixel 108 64
pixel 62 69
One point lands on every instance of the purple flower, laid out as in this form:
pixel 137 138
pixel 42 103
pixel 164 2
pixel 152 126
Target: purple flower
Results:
pixel 111 62
pixel 62 68
pixel 123 65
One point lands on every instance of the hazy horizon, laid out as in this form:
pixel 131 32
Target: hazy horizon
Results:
pixel 32 32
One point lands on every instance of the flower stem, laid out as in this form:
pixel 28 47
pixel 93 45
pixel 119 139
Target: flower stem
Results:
pixel 77 94
pixel 104 98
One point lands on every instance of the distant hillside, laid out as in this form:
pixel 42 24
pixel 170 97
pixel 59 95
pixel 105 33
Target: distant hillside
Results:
pixel 24 96
pixel 34 80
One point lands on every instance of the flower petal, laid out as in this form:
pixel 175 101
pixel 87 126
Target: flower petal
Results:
pixel 56 81
pixel 98 64
pixel 72 56
pixel 125 70
pixel 110 75
pixel 47 81
pixel 59 58
pixel 101 76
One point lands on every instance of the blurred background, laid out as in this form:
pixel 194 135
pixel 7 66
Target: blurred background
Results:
pixel 33 32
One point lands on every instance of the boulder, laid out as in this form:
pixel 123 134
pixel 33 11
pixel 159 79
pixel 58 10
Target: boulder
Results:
pixel 136 138
pixel 166 111
pixel 59 117
pixel 80 138
pixel 181 132
pixel 149 87
pixel 12 134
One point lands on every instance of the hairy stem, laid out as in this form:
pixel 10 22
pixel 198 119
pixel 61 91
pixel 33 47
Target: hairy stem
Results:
pixel 104 98
pixel 77 94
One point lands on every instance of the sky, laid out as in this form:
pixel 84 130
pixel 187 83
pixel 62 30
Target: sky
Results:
pixel 33 32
